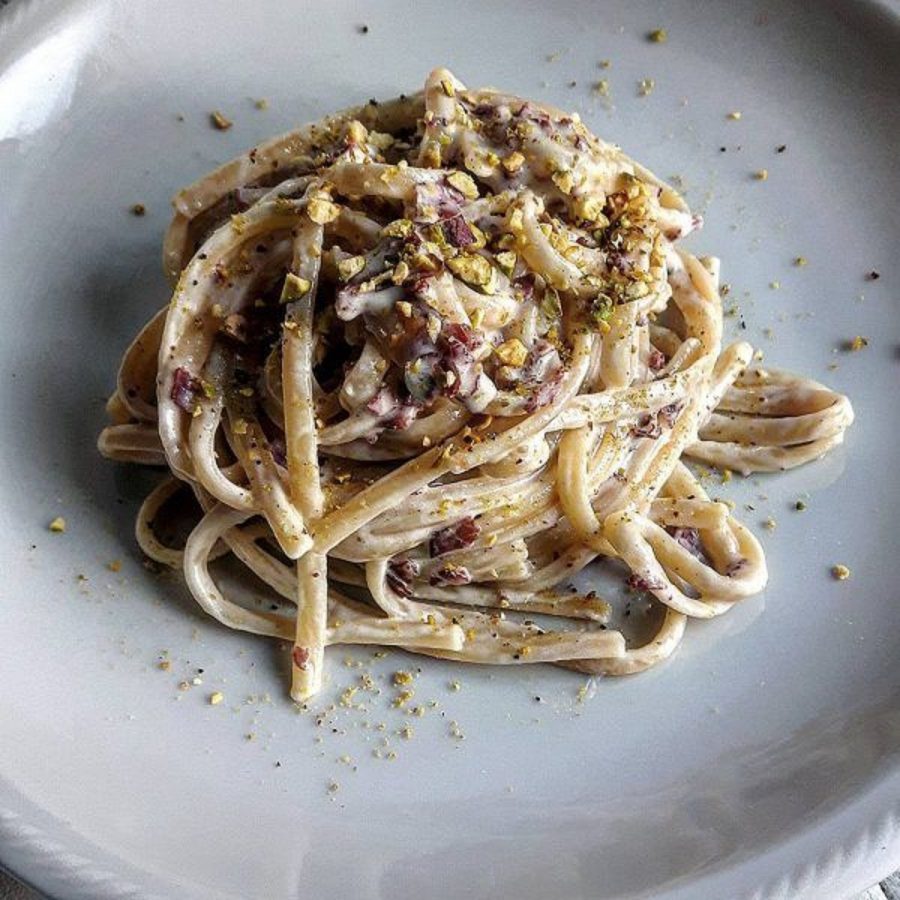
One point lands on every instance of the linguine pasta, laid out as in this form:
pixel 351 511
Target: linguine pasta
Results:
pixel 425 361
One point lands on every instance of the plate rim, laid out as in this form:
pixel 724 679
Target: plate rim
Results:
pixel 52 865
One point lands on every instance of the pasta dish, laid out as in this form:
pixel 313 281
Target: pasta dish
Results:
pixel 426 360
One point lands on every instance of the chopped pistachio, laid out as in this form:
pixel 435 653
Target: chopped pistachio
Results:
pixel 601 87
pixel 58 525
pixel 858 343
pixel 400 273
pixel 590 208
pixel 398 228
pixel 219 121
pixel 512 163
pixel 761 175
pixel 479 236
pixel 464 184
pixel 447 88
pixel 357 132
pixel 801 261
pixel 511 352
pixel 380 140
pixel 350 266
pixel 516 220
pixel 507 261
pixel 402 698
pixel 734 116
pixel 564 180
pixel 216 697
pixel 431 155
pixel 322 211
pixel 262 103
pixel 658 36
pixel 404 308
pixel 472 268
pixel 840 573
pixel 294 287
pixel 645 86
pixel 800 505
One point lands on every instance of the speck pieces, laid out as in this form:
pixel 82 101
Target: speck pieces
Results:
pixel 840 572
pixel 58 525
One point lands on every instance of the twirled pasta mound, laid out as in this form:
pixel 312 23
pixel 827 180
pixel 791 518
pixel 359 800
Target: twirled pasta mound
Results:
pixel 445 349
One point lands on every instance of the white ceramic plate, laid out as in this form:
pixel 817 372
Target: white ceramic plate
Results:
pixel 763 761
